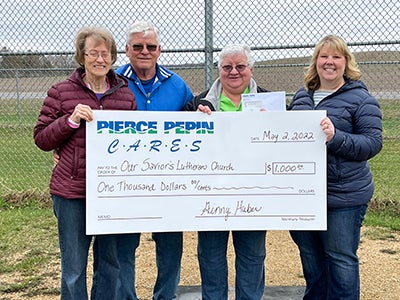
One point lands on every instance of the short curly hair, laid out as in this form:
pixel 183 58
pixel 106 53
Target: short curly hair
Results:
pixel 232 49
pixel 99 35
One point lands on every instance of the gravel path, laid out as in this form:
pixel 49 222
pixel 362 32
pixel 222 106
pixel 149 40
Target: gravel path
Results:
pixel 379 266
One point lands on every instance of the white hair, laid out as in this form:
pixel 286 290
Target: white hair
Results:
pixel 232 49
pixel 142 26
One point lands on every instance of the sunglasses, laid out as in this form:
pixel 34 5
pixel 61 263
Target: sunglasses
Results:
pixel 140 47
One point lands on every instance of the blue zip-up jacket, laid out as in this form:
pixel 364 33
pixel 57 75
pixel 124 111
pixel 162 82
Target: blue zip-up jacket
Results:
pixel 169 92
pixel 358 137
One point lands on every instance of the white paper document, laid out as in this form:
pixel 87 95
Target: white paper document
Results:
pixel 268 101
pixel 189 171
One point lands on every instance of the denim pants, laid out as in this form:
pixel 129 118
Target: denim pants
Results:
pixel 250 254
pixel 127 246
pixel 169 247
pixel 168 259
pixel 329 258
pixel 74 247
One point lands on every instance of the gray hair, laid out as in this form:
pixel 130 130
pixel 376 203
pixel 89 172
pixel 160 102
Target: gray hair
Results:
pixel 142 26
pixel 233 49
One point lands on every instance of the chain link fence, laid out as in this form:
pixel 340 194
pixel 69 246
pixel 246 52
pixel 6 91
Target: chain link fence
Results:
pixel 36 42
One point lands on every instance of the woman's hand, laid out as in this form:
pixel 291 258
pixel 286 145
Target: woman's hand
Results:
pixel 328 128
pixel 204 108
pixel 82 111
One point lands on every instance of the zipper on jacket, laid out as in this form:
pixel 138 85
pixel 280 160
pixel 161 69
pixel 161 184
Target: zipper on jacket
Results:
pixel 109 92
pixel 331 95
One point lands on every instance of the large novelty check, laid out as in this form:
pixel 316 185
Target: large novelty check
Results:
pixel 189 171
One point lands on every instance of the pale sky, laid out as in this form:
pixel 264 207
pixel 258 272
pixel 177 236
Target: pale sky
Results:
pixel 39 25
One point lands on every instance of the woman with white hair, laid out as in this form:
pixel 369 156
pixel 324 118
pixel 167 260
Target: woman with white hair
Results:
pixel 235 78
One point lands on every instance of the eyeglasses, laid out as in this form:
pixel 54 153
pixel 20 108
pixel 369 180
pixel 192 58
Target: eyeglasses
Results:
pixel 94 55
pixel 239 68
pixel 140 47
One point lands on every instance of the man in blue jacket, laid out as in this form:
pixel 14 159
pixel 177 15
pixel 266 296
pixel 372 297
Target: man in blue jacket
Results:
pixel 156 89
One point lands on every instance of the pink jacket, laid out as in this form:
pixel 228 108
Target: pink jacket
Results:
pixel 53 132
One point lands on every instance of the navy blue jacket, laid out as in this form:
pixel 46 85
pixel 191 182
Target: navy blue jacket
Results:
pixel 358 137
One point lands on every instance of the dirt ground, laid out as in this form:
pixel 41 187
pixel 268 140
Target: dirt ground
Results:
pixel 379 266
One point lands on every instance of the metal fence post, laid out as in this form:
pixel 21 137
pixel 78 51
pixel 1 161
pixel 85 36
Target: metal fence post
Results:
pixel 18 98
pixel 208 47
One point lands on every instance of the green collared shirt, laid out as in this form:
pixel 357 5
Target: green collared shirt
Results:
pixel 227 104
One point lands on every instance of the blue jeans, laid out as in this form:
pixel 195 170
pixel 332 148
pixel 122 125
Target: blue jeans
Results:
pixel 74 247
pixel 169 247
pixel 168 259
pixel 249 264
pixel 329 258
pixel 127 246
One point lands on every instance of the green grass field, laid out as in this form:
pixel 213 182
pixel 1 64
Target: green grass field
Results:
pixel 28 234
pixel 25 168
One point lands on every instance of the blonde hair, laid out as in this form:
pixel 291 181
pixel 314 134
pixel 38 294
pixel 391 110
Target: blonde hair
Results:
pixel 311 78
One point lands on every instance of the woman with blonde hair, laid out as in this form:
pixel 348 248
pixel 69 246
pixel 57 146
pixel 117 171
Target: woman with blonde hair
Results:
pixel 353 129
